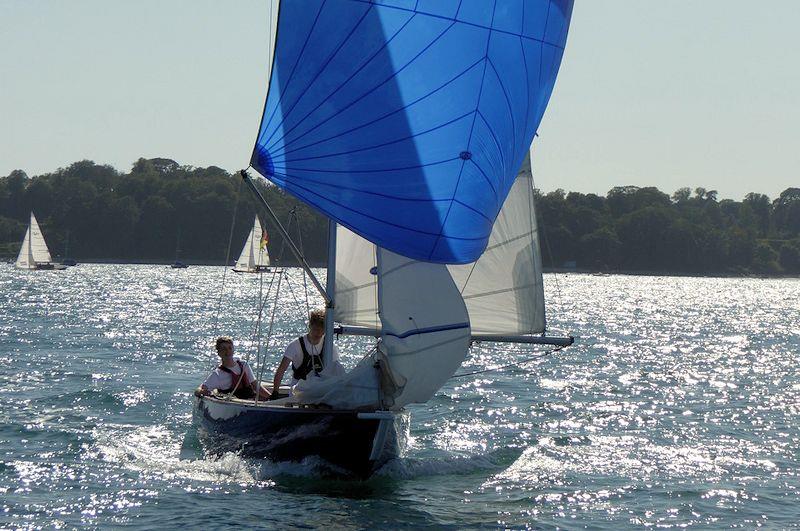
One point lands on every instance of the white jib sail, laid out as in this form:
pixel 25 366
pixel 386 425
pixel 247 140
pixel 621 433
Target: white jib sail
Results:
pixel 502 289
pixel 253 254
pixel 425 328
pixel 34 249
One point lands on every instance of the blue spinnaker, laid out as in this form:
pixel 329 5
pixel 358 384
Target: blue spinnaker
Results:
pixel 407 120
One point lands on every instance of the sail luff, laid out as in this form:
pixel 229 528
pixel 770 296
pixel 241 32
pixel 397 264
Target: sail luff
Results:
pixel 24 258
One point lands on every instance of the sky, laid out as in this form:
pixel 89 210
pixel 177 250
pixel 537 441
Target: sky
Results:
pixel 671 94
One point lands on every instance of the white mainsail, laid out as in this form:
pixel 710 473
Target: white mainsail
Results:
pixel 34 249
pixel 502 290
pixel 254 255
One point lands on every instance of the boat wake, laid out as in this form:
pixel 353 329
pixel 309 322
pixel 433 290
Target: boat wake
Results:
pixel 416 467
pixel 155 451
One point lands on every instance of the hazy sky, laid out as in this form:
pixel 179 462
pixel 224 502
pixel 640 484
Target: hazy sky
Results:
pixel 651 92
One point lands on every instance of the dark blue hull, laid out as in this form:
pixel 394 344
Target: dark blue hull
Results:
pixel 342 438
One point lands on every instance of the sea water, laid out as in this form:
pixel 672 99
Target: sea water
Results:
pixel 678 405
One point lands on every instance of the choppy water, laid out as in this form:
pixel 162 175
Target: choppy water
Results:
pixel 678 405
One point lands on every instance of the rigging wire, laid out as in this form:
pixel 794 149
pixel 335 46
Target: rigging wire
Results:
pixel 261 364
pixel 215 327
pixel 296 217
pixel 515 364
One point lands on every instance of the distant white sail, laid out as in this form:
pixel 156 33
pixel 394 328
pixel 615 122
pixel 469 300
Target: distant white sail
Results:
pixel 502 289
pixel 34 249
pixel 254 256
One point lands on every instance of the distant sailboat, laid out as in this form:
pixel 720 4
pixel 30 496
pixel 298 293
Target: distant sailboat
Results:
pixel 34 253
pixel 254 257
pixel 68 261
pixel 178 264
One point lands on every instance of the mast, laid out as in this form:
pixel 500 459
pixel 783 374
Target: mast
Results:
pixel 327 348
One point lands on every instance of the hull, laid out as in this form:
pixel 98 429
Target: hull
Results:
pixel 258 269
pixel 354 442
pixel 45 266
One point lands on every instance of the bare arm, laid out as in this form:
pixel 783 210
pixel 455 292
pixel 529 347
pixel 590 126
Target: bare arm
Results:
pixel 276 382
pixel 263 393
pixel 202 391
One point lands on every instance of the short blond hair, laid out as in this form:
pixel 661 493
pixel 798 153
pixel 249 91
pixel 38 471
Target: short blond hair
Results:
pixel 316 318
pixel 221 340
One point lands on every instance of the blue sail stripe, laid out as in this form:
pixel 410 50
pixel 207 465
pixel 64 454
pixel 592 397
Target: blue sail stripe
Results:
pixel 376 146
pixel 345 82
pixel 508 106
pixel 460 238
pixel 428 330
pixel 299 56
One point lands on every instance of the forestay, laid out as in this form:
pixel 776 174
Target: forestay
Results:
pixel 406 120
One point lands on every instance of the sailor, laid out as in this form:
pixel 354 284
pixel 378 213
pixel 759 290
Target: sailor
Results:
pixel 232 376
pixel 305 354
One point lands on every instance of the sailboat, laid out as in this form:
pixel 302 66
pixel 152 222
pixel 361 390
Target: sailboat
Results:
pixel 254 257
pixel 34 253
pixel 408 125
pixel 67 261
pixel 178 264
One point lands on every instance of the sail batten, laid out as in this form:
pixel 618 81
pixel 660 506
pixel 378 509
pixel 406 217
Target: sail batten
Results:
pixel 406 121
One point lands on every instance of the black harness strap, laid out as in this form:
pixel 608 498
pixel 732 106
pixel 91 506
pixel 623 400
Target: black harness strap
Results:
pixel 242 390
pixel 311 362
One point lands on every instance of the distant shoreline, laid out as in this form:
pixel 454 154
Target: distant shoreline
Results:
pixel 545 270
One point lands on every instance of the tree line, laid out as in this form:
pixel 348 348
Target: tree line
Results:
pixel 161 209
pixel 157 212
